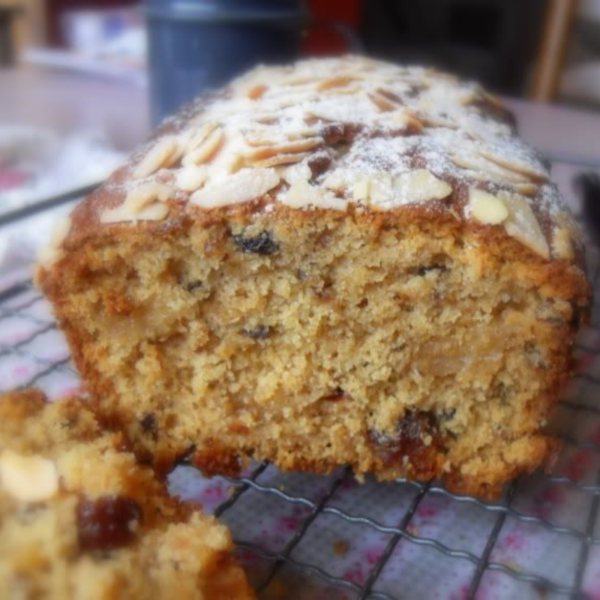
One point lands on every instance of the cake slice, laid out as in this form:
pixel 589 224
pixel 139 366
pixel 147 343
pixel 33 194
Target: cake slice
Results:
pixel 337 262
pixel 80 519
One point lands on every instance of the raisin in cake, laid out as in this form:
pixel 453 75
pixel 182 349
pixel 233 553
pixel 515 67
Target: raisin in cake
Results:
pixel 337 262
pixel 80 519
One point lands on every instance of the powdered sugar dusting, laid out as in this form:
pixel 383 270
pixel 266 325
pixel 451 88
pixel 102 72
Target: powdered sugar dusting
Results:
pixel 355 129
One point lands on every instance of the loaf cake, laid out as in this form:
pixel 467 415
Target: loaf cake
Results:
pixel 80 519
pixel 337 262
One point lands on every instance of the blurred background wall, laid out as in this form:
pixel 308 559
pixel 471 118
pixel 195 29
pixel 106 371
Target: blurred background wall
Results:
pixel 543 49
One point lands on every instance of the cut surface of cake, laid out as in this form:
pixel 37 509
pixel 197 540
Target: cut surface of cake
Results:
pixel 337 262
pixel 80 519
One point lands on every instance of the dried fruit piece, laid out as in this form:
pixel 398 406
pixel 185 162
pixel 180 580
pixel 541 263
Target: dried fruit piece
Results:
pixel 161 155
pixel 107 523
pixel 28 478
pixel 523 225
pixel 245 185
pixel 487 208
pixel 191 178
pixel 262 244
pixel 206 150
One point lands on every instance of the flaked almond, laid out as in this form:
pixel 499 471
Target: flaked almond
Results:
pixel 487 208
pixel 418 186
pixel 523 225
pixel 145 194
pixel 280 159
pixel 361 189
pixel 381 188
pixel 288 147
pixel 256 91
pixel 191 178
pixel 484 169
pixel 527 189
pixel 301 194
pixel 433 120
pixel 161 155
pixel 335 82
pixel 243 186
pixel 562 243
pixel 197 137
pixel 297 172
pixel 28 478
pixel 381 102
pixel 515 166
pixel 154 212
pixel 207 150
pixel 340 180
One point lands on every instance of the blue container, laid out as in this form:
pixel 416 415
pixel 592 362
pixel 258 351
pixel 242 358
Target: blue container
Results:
pixel 198 45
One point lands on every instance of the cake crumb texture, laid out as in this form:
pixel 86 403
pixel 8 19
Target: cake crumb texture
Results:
pixel 339 262
pixel 79 518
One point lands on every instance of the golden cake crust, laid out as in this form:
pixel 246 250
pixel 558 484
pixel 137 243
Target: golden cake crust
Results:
pixel 423 171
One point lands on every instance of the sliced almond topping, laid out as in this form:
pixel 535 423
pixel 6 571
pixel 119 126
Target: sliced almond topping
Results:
pixel 523 225
pixel 145 202
pixel 335 82
pixel 381 189
pixel 350 90
pixel 487 208
pixel 298 172
pixel 361 190
pixel 418 186
pixel 527 189
pixel 432 120
pixel 515 166
pixel 280 159
pixel 197 137
pixel 28 478
pixel 291 147
pixel 381 102
pixel 206 150
pixel 161 155
pixel 191 178
pixel 484 169
pixel 121 214
pixel 302 194
pixel 562 243
pixel 142 195
pixel 243 186
pixel 256 91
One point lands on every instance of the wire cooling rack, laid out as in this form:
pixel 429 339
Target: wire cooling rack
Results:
pixel 305 536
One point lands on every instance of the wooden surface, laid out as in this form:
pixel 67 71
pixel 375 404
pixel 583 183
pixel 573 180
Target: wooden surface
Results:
pixel 553 49
pixel 68 102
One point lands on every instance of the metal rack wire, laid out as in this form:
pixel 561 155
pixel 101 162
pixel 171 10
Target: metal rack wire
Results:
pixel 264 485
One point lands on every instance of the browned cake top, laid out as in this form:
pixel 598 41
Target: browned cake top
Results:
pixel 348 135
